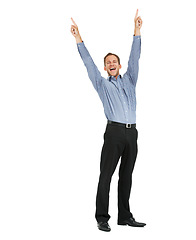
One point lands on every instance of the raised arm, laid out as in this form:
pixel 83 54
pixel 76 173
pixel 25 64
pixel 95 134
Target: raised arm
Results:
pixel 133 64
pixel 93 72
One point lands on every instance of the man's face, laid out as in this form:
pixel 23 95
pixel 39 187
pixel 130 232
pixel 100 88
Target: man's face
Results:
pixel 112 66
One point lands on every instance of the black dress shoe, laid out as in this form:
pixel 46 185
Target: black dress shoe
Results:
pixel 131 222
pixel 104 226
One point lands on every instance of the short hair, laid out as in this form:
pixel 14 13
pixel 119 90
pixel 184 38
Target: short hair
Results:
pixel 113 55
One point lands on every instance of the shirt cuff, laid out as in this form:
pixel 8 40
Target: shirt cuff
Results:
pixel 80 44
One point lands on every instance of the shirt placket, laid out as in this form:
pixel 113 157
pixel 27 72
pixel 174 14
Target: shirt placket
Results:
pixel 124 101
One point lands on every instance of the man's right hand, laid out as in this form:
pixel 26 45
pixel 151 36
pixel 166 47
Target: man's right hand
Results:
pixel 75 32
pixel 138 24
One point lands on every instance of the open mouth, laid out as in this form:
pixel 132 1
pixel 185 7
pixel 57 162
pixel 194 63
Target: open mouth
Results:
pixel 112 69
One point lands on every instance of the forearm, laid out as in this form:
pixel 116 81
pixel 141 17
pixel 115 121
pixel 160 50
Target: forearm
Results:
pixel 133 64
pixel 93 72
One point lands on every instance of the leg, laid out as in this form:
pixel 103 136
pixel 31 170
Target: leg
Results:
pixel 125 174
pixel 111 152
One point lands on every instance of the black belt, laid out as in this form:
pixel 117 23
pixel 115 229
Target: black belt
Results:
pixel 125 125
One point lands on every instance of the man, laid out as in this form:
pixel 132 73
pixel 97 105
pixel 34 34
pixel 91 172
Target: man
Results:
pixel 117 94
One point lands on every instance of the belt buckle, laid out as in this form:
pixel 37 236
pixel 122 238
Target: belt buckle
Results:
pixel 128 125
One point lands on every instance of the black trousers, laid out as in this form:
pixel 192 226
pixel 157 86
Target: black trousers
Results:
pixel 119 142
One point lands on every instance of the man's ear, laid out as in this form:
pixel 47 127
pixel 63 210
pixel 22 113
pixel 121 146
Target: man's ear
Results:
pixel 120 66
pixel 104 68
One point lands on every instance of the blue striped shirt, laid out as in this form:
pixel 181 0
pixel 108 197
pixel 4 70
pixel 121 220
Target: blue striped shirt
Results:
pixel 117 95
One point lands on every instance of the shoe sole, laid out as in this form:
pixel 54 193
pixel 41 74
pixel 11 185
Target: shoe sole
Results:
pixel 105 230
pixel 126 224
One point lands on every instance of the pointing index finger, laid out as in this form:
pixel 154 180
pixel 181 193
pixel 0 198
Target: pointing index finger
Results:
pixel 136 14
pixel 73 22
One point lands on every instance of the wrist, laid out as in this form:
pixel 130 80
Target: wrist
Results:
pixel 78 39
pixel 137 32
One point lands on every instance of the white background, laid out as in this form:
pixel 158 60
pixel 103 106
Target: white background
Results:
pixel 52 120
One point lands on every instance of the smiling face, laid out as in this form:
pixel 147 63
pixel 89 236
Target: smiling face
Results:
pixel 112 66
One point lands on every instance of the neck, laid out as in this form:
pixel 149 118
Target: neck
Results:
pixel 114 76
pixel 117 76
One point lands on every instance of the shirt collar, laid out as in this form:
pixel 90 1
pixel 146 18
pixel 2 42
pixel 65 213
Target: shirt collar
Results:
pixel 113 78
